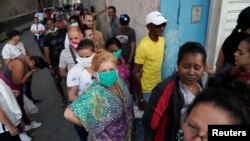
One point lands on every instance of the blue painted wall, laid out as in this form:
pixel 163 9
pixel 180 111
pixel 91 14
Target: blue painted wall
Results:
pixel 180 29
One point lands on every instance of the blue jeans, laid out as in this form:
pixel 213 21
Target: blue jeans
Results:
pixel 139 129
pixel 39 42
pixel 27 88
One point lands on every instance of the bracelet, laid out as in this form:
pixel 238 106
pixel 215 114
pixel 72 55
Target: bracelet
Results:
pixel 142 100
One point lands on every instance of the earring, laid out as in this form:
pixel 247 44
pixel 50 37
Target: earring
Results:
pixel 32 62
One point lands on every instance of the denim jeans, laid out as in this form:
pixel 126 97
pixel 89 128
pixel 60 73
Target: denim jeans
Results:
pixel 39 41
pixel 27 88
pixel 139 129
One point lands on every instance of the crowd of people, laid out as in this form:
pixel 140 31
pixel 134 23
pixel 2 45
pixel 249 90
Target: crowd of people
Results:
pixel 107 79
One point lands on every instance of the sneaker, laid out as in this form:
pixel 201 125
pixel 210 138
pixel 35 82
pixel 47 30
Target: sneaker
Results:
pixel 33 125
pixel 24 137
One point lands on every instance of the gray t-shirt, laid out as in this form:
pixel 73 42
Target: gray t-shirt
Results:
pixel 126 36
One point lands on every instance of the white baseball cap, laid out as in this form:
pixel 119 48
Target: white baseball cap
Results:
pixel 156 18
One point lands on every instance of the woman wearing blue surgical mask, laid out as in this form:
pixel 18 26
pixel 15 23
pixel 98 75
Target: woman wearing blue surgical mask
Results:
pixel 79 77
pixel 114 46
pixel 106 108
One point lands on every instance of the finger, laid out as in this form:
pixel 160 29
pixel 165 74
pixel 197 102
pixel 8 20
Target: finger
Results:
pixel 13 133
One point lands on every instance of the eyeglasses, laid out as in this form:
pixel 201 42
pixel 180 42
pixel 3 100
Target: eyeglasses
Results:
pixel 193 131
pixel 160 26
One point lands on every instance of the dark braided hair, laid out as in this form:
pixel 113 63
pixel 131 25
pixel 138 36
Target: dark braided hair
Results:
pixel 243 21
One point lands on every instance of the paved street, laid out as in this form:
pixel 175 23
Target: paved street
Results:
pixel 54 126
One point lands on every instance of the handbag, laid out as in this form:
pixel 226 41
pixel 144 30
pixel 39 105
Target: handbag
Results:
pixel 29 106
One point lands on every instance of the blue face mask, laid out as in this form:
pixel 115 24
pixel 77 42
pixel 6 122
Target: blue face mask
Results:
pixel 117 53
pixel 107 79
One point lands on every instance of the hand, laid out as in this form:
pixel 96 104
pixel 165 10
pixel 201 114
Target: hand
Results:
pixel 128 66
pixel 106 7
pixel 13 130
pixel 142 104
pixel 34 70
pixel 209 69
pixel 52 72
pixel 16 93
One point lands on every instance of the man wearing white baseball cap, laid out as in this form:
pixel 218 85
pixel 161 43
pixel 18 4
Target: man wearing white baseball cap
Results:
pixel 148 62
pixel 155 18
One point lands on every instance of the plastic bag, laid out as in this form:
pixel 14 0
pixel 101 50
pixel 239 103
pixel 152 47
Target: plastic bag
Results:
pixel 29 106
pixel 138 112
pixel 24 137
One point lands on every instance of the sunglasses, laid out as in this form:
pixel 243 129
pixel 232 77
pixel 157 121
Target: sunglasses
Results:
pixel 160 26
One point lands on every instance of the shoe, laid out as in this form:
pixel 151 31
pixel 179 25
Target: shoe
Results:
pixel 36 101
pixel 24 137
pixel 33 125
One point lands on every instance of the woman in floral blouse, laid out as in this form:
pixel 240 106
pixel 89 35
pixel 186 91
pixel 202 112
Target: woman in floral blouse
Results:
pixel 106 108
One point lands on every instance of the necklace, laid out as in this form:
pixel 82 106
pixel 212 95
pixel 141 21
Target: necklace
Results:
pixel 194 89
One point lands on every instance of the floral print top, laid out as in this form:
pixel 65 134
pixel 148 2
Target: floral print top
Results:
pixel 105 116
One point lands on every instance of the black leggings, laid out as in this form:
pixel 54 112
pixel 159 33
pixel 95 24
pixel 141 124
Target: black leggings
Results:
pixel 6 136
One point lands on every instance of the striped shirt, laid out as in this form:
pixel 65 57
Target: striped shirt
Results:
pixel 66 59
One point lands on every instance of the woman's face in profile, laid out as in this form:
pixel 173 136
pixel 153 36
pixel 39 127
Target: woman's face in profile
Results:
pixel 242 55
pixel 89 34
pixel 196 125
pixel 191 68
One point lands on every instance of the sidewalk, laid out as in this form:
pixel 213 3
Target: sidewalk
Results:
pixel 54 126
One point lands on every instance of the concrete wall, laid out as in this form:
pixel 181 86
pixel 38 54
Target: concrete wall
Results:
pixel 181 28
pixel 12 8
pixel 136 9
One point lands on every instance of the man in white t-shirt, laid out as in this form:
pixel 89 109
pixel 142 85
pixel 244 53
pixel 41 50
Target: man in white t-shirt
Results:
pixel 38 30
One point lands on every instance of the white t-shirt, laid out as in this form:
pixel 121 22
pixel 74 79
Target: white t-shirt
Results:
pixel 66 59
pixel 78 76
pixel 188 99
pixel 40 16
pixel 10 51
pixel 37 28
pixel 66 41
